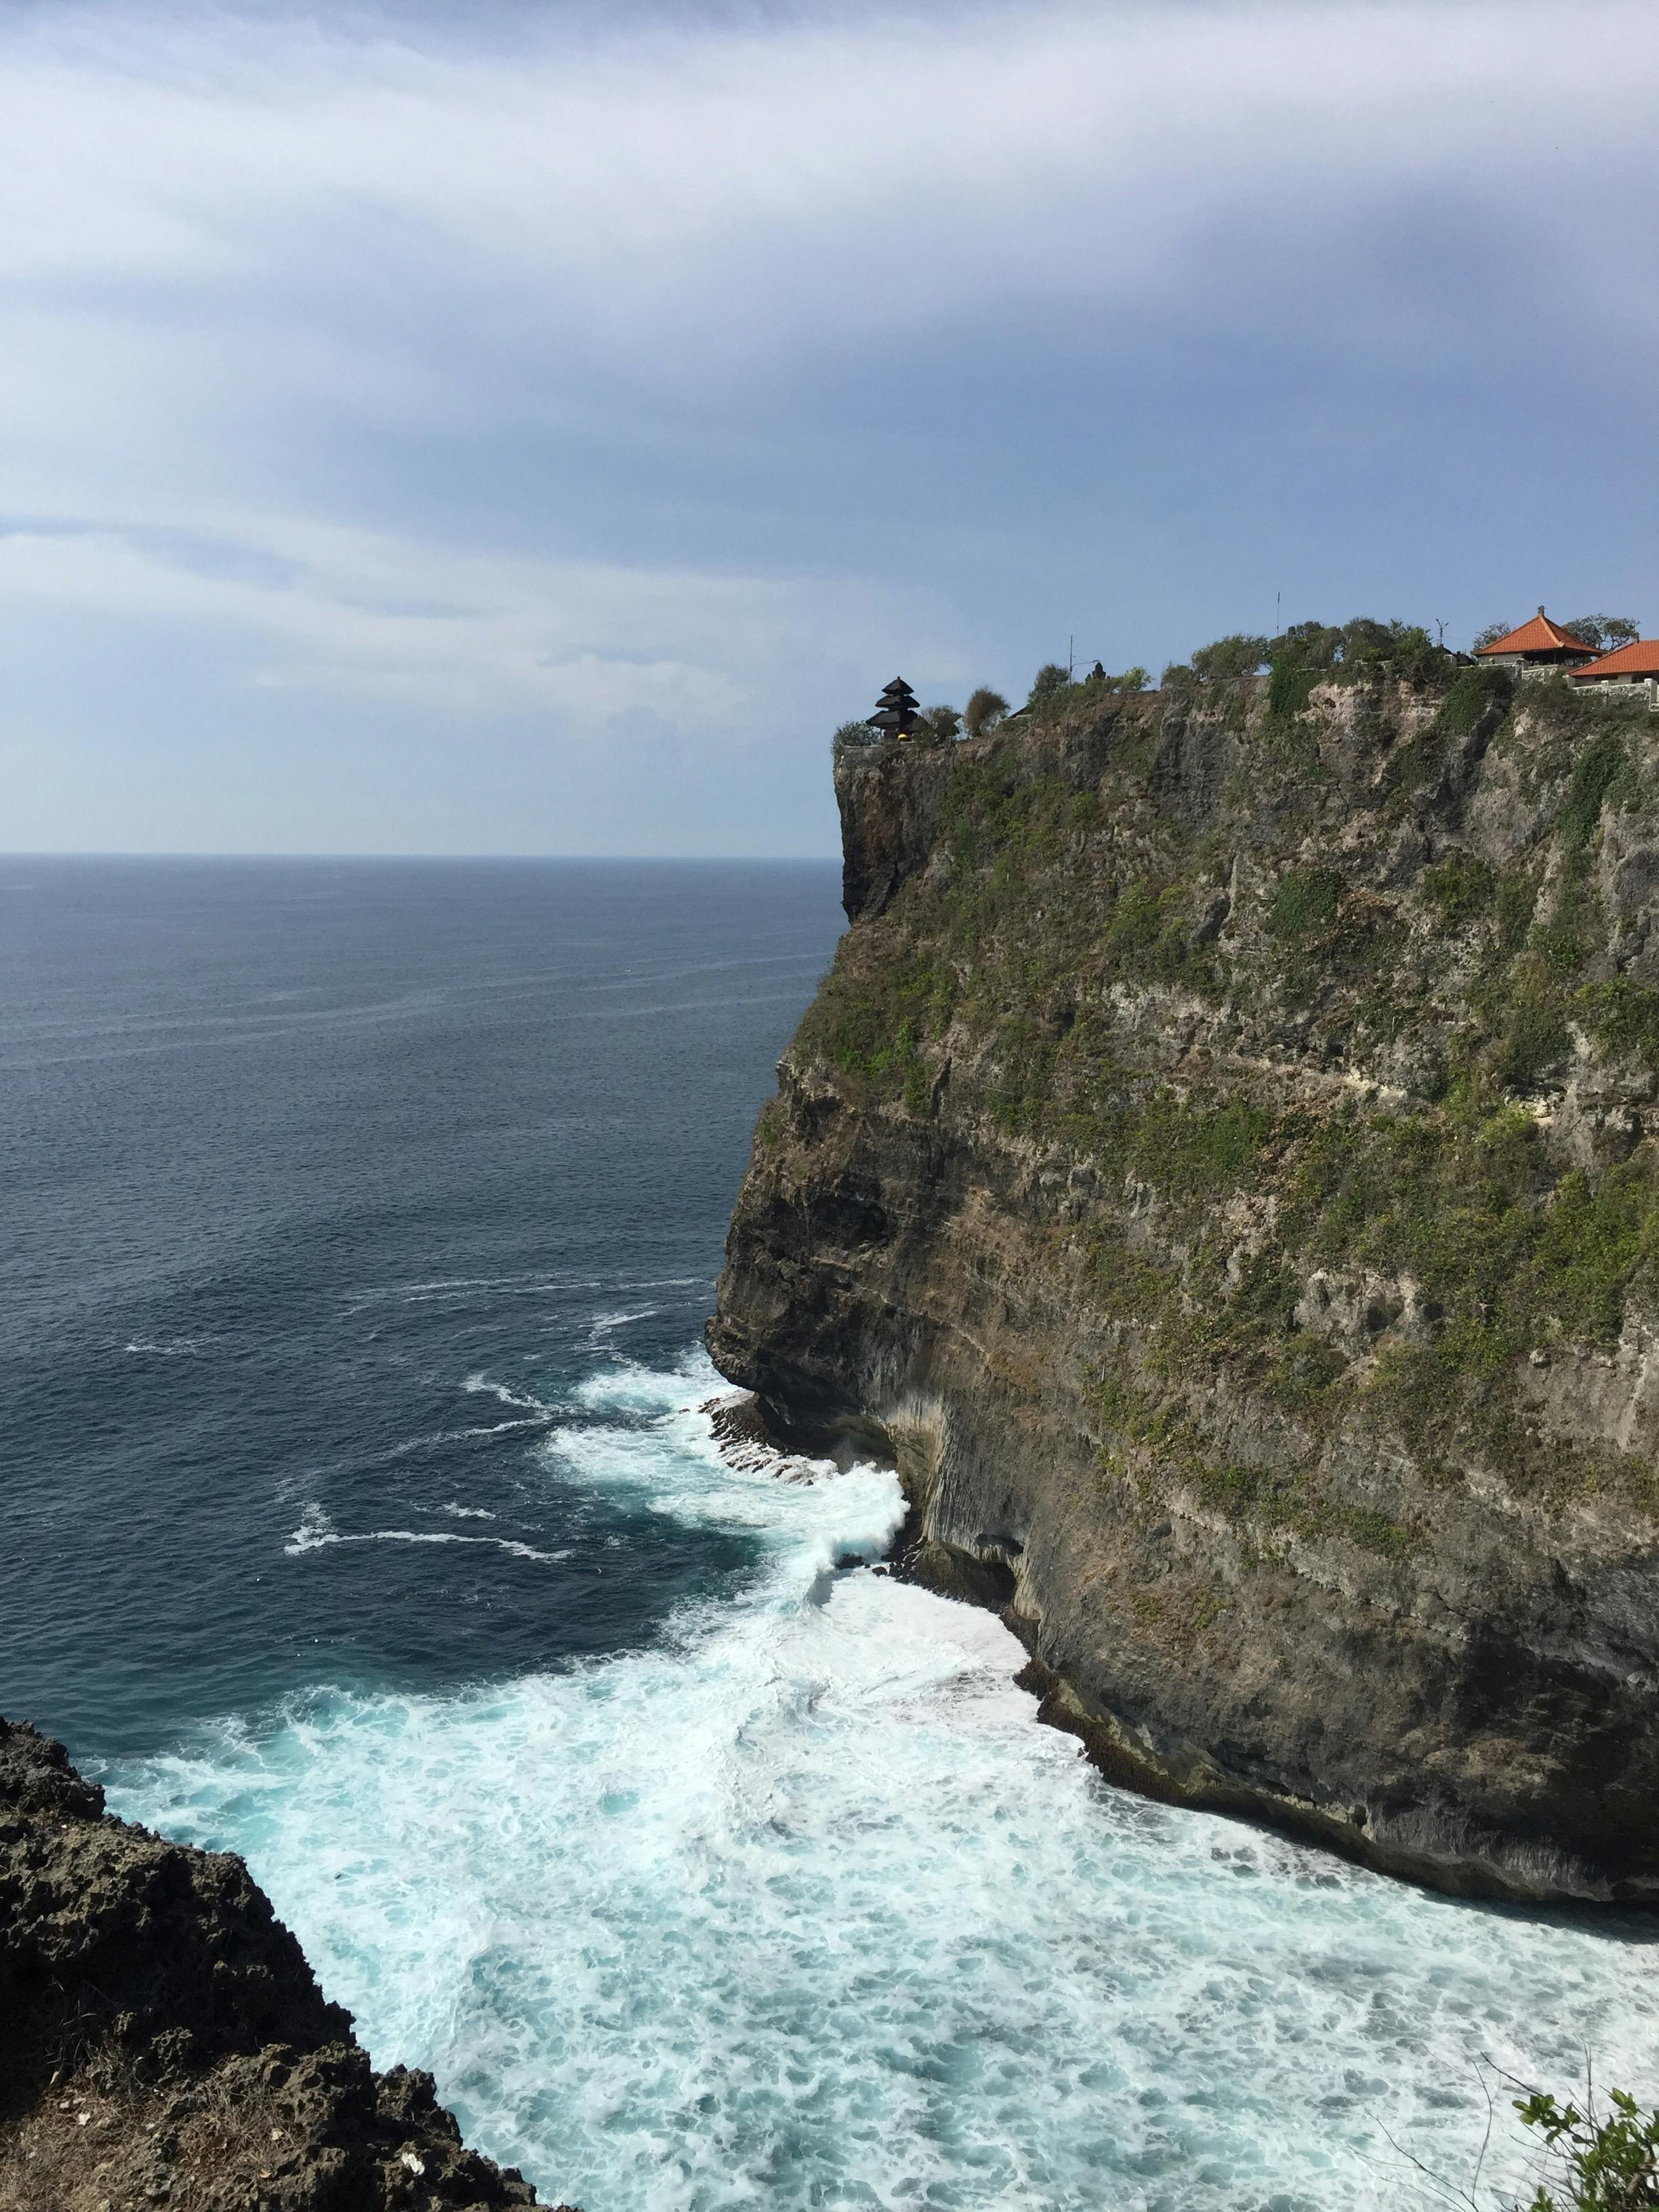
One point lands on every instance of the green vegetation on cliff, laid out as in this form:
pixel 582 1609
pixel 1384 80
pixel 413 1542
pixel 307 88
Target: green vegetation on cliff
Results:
pixel 1390 909
pixel 1222 1166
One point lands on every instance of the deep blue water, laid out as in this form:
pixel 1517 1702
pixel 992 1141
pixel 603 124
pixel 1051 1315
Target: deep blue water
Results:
pixel 361 1220
pixel 326 1183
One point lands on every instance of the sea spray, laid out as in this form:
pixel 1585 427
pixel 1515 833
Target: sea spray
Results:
pixel 802 1907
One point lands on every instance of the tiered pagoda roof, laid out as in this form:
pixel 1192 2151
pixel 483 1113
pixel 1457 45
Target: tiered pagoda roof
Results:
pixel 896 709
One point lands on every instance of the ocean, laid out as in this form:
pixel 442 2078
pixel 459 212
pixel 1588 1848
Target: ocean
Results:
pixel 363 1517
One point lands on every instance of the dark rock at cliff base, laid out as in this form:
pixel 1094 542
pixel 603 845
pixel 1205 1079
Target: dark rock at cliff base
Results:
pixel 163 2041
pixel 1221 1171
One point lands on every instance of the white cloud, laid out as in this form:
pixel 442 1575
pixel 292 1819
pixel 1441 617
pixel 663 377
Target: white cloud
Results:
pixel 236 246
pixel 928 159
pixel 364 614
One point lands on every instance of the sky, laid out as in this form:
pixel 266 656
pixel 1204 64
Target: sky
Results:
pixel 533 428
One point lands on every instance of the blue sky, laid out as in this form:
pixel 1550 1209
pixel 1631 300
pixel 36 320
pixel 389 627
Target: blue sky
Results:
pixel 533 428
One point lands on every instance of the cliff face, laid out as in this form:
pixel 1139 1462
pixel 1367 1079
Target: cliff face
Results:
pixel 1222 1166
pixel 162 2040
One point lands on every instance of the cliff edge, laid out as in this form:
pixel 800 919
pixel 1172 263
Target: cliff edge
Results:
pixel 163 2042
pixel 1222 1169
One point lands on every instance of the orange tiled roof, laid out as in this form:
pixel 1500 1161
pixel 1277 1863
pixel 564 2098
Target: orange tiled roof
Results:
pixel 1641 658
pixel 1540 635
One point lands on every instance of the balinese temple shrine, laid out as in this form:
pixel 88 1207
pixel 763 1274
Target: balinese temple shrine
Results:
pixel 896 710
pixel 1539 644
pixel 1628 671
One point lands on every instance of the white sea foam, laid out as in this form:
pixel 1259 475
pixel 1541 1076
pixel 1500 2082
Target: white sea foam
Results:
pixel 462 1289
pixel 427 1536
pixel 627 1387
pixel 316 1531
pixel 470 1512
pixel 481 1385
pixel 441 1437
pixel 805 1909
pixel 605 1322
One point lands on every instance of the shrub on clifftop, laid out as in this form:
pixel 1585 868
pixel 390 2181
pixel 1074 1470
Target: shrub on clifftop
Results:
pixel 852 737
pixel 938 725
pixel 1404 651
pixel 1229 656
pixel 984 710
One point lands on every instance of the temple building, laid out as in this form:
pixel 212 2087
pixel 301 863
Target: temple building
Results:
pixel 1539 643
pixel 1628 671
pixel 895 714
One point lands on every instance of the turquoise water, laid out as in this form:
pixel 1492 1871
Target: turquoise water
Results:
pixel 798 1905
pixel 366 1519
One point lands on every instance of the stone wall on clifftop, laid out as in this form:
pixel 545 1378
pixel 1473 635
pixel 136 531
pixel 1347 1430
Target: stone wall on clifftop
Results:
pixel 1222 1167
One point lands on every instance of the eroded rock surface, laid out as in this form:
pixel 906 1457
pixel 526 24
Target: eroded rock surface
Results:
pixel 163 2041
pixel 1222 1169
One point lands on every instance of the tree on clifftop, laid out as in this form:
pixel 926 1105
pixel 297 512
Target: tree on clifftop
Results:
pixel 1049 680
pixel 1237 655
pixel 1603 631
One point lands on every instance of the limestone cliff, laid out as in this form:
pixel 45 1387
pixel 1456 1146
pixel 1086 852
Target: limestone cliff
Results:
pixel 162 2040
pixel 1222 1166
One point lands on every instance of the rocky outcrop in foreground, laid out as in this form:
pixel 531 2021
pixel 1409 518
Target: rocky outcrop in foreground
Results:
pixel 163 2042
pixel 1222 1169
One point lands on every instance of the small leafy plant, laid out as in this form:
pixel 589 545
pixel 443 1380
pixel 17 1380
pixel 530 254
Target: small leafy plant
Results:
pixel 1594 2160
pixel 1598 2162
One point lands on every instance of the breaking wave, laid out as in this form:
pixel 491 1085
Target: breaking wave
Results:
pixel 800 1908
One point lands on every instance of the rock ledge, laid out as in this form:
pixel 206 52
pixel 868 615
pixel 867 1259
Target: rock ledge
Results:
pixel 163 2041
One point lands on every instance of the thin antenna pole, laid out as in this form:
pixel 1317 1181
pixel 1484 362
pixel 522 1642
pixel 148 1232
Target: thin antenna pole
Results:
pixel 1070 658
